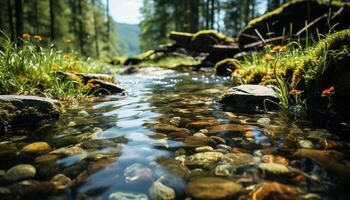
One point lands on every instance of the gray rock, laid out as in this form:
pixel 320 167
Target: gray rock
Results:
pixel 274 169
pixel 61 181
pixel 158 191
pixel 248 97
pixel 127 196
pixel 203 159
pixel 20 172
pixel 204 149
pixel 24 110
pixel 104 88
pixel 224 170
pixel 306 144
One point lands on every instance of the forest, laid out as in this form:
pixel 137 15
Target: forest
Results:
pixel 200 100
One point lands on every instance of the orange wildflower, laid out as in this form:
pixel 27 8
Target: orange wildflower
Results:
pixel 38 38
pixel 265 78
pixel 279 48
pixel 267 46
pixel 328 92
pixel 267 58
pixel 295 91
pixel 26 36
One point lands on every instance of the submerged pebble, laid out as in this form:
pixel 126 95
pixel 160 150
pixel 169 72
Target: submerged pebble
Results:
pixel 158 191
pixel 20 172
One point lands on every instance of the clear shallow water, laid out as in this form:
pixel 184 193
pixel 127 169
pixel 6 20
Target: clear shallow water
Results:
pixel 126 143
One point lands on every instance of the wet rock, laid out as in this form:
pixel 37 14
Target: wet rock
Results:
pixel 274 169
pixel 127 196
pixel 158 136
pixel 306 144
pixel 178 136
pixel 238 159
pixel 8 150
pixel 199 135
pixel 274 190
pixel 5 193
pixel 36 147
pixel 203 159
pixel 99 87
pixel 61 181
pixel 83 113
pixel 203 124
pixel 167 128
pixel 136 174
pixel 212 188
pixel 224 170
pixel 247 97
pixel 103 143
pixel 20 172
pixel 27 110
pixel 264 121
pixel 45 159
pixel 195 141
pixel 158 191
pixel 69 151
pixel 204 149
pixel 331 144
pixel 90 76
pixel 174 166
pixel 275 159
pixel 40 190
pixel 228 128
pixel 175 121
pixel 218 140
pixel 331 160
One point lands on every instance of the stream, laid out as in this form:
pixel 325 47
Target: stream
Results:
pixel 167 133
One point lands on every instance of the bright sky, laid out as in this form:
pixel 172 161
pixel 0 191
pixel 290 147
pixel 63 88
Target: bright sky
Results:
pixel 126 11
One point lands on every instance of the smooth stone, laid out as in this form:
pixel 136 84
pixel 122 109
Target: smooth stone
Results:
pixel 218 139
pixel 203 159
pixel 204 149
pixel 238 159
pixel 103 143
pixel 175 121
pixel 178 136
pixel 61 181
pixel 101 87
pixel 212 188
pixel 223 146
pixel 275 159
pixel 224 170
pixel 274 169
pixel 70 151
pixel 248 97
pixel 331 144
pixel 158 191
pixel 36 147
pixel 83 113
pixel 199 135
pixel 37 191
pixel 203 124
pixel 195 141
pixel 127 196
pixel 168 128
pixel 274 190
pixel 137 174
pixel 174 166
pixel 228 128
pixel 45 159
pixel 2 176
pixel 264 121
pixel 306 144
pixel 20 172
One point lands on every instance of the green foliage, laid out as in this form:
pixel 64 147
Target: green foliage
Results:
pixel 171 62
pixel 30 69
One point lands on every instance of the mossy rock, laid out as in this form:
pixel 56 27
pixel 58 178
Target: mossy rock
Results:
pixel 27 110
pixel 226 67
pixel 135 60
pixel 204 40
pixel 327 65
pixel 287 19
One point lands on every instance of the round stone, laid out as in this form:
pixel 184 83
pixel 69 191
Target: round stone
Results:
pixel 210 188
pixel 36 147
pixel 158 191
pixel 20 172
pixel 61 181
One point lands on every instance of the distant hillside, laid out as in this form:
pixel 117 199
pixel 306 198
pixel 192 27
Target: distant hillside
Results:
pixel 128 38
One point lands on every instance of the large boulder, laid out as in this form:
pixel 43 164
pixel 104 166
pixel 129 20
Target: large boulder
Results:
pixel 27 110
pixel 287 19
pixel 248 97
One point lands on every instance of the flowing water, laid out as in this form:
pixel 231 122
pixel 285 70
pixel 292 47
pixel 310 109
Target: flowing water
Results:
pixel 141 145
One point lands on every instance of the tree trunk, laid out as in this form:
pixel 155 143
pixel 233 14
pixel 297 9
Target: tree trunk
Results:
pixel 96 31
pixel 207 14
pixel 212 14
pixel 80 26
pixel 108 24
pixel 19 18
pixel 52 21
pixel 10 19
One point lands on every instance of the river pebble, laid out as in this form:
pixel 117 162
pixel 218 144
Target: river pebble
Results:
pixel 20 172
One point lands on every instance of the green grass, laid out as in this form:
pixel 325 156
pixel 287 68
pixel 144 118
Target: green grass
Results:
pixel 296 68
pixel 28 69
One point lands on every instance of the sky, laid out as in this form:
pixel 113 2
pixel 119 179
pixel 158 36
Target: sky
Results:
pixel 126 11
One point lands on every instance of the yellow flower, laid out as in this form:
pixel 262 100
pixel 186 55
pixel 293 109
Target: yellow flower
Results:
pixel 267 58
pixel 38 38
pixel 265 78
pixel 26 36
pixel 267 46
pixel 295 91
pixel 279 48
pixel 54 67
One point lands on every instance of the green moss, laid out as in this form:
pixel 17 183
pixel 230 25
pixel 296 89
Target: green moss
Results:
pixel 182 33
pixel 227 66
pixel 215 34
pixel 171 62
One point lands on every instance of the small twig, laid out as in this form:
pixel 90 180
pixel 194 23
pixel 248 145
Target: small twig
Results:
pixel 260 36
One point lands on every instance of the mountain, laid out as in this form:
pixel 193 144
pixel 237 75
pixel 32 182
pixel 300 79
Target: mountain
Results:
pixel 128 38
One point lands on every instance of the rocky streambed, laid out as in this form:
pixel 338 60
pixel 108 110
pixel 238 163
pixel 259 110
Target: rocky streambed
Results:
pixel 169 138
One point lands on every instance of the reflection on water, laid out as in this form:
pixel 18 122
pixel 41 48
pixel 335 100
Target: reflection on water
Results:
pixel 162 140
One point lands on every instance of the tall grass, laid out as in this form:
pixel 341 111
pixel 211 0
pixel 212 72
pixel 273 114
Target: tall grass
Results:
pixel 29 69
